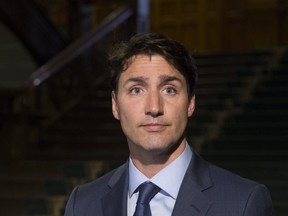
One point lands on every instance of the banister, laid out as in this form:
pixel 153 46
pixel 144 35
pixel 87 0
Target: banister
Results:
pixel 76 48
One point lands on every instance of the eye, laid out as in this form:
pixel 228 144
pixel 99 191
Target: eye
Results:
pixel 170 91
pixel 135 90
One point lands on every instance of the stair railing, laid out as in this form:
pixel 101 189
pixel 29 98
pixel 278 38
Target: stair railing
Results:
pixel 62 81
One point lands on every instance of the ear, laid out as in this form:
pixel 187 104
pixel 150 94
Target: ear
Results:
pixel 114 105
pixel 191 106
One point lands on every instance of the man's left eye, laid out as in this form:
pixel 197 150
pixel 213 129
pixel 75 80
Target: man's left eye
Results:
pixel 170 91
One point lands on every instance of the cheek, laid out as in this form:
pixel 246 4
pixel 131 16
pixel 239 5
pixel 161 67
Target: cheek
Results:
pixel 177 108
pixel 128 113
pixel 179 114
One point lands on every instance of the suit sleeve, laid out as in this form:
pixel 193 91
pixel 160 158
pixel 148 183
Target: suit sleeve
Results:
pixel 259 203
pixel 69 210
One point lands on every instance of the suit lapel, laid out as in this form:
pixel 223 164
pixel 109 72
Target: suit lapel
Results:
pixel 115 201
pixel 191 199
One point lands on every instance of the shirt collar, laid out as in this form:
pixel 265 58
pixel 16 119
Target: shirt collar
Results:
pixel 175 172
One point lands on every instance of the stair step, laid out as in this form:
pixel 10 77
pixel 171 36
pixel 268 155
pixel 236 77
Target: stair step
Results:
pixel 261 144
pixel 88 140
pixel 42 170
pixel 262 117
pixel 64 151
pixel 25 207
pixel 218 71
pixel 251 132
pixel 248 155
pixel 31 189
pixel 260 171
pixel 248 59
pixel 281 208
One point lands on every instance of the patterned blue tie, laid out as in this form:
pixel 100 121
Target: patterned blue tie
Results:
pixel 147 191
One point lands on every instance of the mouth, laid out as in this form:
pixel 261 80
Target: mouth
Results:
pixel 154 127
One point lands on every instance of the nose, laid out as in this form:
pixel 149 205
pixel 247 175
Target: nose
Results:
pixel 154 104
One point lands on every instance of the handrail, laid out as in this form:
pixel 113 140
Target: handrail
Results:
pixel 76 48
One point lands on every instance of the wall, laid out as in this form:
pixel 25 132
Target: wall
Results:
pixel 222 25
pixel 16 64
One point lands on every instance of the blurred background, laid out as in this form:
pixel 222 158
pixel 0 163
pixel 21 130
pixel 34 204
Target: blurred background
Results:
pixel 56 125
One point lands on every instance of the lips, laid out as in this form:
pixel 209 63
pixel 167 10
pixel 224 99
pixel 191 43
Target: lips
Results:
pixel 154 127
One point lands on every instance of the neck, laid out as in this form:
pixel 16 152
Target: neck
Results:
pixel 151 163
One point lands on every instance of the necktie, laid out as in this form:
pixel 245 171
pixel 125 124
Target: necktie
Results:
pixel 147 191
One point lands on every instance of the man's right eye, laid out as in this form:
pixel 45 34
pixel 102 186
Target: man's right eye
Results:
pixel 135 91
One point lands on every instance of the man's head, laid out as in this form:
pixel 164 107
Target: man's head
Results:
pixel 153 80
pixel 153 44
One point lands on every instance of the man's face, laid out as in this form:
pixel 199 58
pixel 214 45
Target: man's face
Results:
pixel 152 105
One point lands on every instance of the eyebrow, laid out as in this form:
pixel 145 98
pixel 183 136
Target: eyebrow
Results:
pixel 167 78
pixel 162 78
pixel 139 79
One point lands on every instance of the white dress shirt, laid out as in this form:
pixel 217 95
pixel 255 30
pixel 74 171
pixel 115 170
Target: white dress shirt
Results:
pixel 168 179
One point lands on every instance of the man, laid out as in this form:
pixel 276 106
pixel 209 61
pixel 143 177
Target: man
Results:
pixel 153 81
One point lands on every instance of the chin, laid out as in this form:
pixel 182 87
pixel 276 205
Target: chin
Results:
pixel 159 148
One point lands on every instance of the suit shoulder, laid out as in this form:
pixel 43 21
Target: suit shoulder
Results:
pixel 100 185
pixel 87 197
pixel 228 177
pixel 246 195
pixel 231 183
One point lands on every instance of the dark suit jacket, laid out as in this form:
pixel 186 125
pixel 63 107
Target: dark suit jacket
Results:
pixel 206 190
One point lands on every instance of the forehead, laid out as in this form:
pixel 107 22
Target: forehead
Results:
pixel 146 65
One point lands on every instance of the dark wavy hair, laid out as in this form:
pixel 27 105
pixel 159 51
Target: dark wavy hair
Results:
pixel 152 44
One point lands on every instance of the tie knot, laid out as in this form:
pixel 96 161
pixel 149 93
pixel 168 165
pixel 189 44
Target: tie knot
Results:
pixel 147 191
